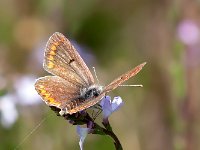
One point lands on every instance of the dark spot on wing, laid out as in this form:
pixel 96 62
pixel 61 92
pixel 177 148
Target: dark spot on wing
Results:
pixel 72 60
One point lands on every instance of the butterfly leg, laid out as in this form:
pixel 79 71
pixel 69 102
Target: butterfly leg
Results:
pixel 98 107
pixel 63 111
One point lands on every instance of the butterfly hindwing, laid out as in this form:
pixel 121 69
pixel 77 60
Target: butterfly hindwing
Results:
pixel 56 91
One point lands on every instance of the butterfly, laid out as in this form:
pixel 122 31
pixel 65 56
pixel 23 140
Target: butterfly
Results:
pixel 71 88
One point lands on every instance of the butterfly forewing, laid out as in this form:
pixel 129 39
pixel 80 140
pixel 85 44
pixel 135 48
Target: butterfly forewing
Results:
pixel 118 81
pixel 56 91
pixel 62 59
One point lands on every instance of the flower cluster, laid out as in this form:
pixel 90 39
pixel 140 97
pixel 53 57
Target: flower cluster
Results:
pixel 108 106
pixel 23 94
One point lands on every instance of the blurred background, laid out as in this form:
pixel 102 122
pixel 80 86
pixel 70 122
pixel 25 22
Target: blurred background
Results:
pixel 113 36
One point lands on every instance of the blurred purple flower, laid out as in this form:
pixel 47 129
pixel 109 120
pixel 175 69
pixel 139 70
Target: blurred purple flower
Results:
pixel 188 32
pixel 25 91
pixel 109 106
pixel 8 110
pixel 24 95
pixel 82 132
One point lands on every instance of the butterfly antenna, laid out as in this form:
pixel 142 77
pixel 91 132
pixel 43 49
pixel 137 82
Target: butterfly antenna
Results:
pixel 30 133
pixel 95 74
pixel 139 85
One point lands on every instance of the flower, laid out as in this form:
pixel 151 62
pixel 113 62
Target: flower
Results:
pixel 109 106
pixel 82 132
pixel 24 95
pixel 188 32
pixel 8 110
pixel 25 91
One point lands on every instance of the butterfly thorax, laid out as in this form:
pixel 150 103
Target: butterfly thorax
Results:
pixel 91 91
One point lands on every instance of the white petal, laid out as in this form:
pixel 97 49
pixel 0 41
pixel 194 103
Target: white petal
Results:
pixel 116 103
pixel 82 132
pixel 26 92
pixel 8 110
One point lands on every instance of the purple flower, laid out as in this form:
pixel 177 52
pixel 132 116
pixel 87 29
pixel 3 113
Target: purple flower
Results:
pixel 82 132
pixel 188 32
pixel 109 106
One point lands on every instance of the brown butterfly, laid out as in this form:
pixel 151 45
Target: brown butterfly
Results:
pixel 72 87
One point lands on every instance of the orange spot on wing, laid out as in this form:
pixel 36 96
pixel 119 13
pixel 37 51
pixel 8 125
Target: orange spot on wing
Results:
pixel 50 65
pixel 46 95
pixel 52 53
pixel 41 86
pixel 53 47
pixel 56 43
pixel 62 40
pixel 42 91
pixel 50 57
pixel 51 100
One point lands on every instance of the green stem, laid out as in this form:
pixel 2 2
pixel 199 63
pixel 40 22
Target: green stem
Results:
pixel 117 143
pixel 110 133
